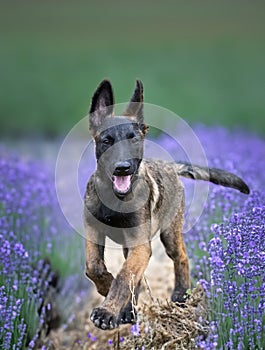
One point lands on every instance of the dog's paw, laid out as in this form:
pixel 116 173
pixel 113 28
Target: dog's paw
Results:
pixel 180 297
pixel 103 319
pixel 127 314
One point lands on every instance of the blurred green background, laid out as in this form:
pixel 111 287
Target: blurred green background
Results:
pixel 204 60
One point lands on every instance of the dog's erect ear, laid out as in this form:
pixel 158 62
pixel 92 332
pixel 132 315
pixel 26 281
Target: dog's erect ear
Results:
pixel 135 106
pixel 101 105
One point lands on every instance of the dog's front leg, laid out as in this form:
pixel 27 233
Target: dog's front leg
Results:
pixel 96 269
pixel 106 316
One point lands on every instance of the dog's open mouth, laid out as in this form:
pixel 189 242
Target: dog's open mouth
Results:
pixel 122 184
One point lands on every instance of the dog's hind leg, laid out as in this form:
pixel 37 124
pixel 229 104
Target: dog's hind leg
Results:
pixel 174 244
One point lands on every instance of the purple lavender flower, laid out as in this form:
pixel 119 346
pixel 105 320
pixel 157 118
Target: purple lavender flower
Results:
pixel 135 330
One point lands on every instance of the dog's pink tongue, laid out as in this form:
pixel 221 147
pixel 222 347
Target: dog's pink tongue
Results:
pixel 122 183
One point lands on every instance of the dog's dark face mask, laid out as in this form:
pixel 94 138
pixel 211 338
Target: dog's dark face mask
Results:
pixel 118 139
pixel 119 152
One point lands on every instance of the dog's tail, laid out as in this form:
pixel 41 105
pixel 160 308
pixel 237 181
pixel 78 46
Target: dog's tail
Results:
pixel 217 176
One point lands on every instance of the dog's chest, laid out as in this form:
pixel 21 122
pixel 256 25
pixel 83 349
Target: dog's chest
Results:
pixel 113 218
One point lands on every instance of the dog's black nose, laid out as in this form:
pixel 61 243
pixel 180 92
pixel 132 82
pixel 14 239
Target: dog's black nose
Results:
pixel 122 168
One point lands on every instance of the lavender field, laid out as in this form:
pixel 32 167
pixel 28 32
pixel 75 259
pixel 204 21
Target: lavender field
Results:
pixel 36 253
pixel 41 256
pixel 229 242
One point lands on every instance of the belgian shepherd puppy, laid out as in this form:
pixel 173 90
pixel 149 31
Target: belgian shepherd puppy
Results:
pixel 129 199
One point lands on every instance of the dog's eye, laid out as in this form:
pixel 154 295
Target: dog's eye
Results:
pixel 108 141
pixel 132 137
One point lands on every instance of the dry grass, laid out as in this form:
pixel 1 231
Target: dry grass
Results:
pixel 166 325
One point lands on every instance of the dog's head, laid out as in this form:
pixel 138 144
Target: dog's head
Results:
pixel 118 139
